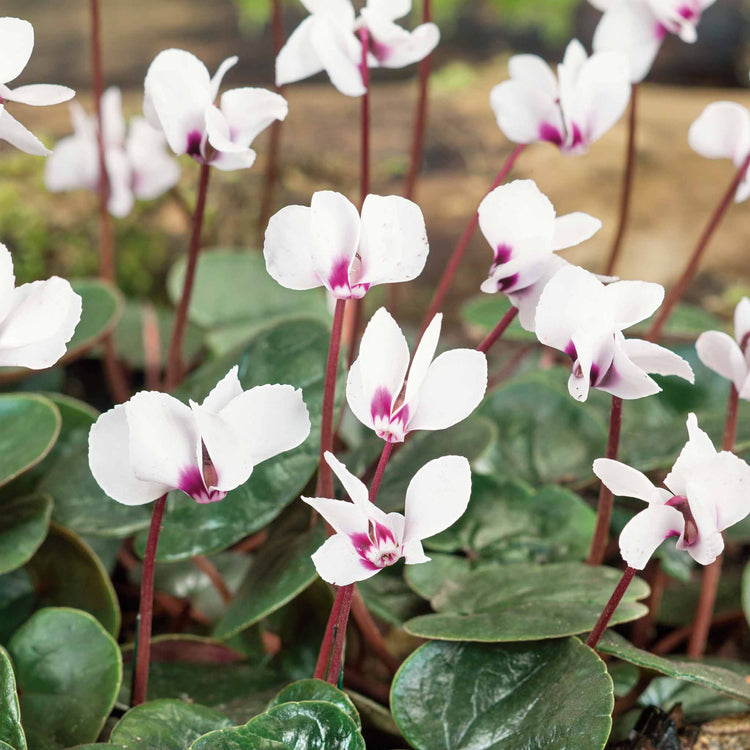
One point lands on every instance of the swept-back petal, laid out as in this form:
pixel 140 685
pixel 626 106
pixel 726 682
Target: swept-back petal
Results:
pixel 338 563
pixel 742 321
pixel 722 131
pixel 698 451
pixel 289 249
pixel 74 164
pixel 40 94
pixel 723 485
pixel 646 531
pixel 625 481
pixel 344 517
pixel 298 58
pixel 625 378
pixel 340 53
pixel 526 114
pixel 390 9
pixel 221 71
pixel 16 43
pixel 249 111
pixel 420 364
pixel 7 281
pixel 657 360
pixel 633 301
pixel 154 170
pixel 17 135
pixel 224 392
pixel 394 46
pixel 572 229
pixel 533 71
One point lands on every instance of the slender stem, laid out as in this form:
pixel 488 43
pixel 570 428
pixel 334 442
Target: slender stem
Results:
pixel 325 476
pixel 174 353
pixel 378 478
pixel 672 640
pixel 627 183
pixel 675 295
pixel 364 173
pixel 151 346
pixel 730 423
pixel 272 165
pixel 420 120
pixel 339 641
pixel 498 330
pixel 606 499
pixel 324 655
pixel 371 633
pixel 458 253
pixel 601 624
pixel 146 608
pixel 212 573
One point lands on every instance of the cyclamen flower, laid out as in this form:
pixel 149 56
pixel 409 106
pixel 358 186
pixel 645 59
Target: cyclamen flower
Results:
pixel 179 100
pixel 723 132
pixel 368 539
pixel 571 109
pixel 329 245
pixel 707 492
pixel 36 320
pixel 154 443
pixel 16 45
pixel 437 394
pixel 727 356
pixel 638 27
pixel 519 222
pixel 137 164
pixel 327 40
pixel 582 317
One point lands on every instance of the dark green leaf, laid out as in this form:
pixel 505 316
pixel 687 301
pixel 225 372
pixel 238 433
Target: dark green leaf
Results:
pixel 536 696
pixel 18 598
pixel 166 725
pixel 481 314
pixel 317 690
pixel 11 731
pixel 102 307
pixel 724 680
pixel 679 601
pixel 68 673
pixel 31 425
pixel 23 526
pixel 239 738
pixel 388 596
pixel 522 602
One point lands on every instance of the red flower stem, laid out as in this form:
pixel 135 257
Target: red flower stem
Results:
pixel 324 656
pixel 679 289
pixel 458 253
pixel 175 364
pixel 378 478
pixel 325 475
pixel 601 624
pixel 339 634
pixel 274 145
pixel 498 330
pixel 627 184
pixel 420 120
pixel 146 607
pixel 730 423
pixel 371 633
pixel 606 500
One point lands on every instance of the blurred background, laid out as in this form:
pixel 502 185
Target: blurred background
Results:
pixel 675 189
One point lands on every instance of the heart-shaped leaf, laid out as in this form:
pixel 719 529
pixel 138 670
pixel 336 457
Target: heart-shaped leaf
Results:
pixel 30 426
pixel 388 596
pixel 521 602
pixel 457 696
pixel 23 526
pixel 281 570
pixel 11 731
pixel 723 680
pixel 166 725
pixel 317 690
pixel 291 352
pixel 68 673
pixel 507 521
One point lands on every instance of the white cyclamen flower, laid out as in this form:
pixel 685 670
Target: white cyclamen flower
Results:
pixel 16 45
pixel 730 357
pixel 637 28
pixel 179 99
pixel 154 443
pixel 36 320
pixel 137 163
pixel 436 394
pixel 707 492
pixel 582 317
pixel 327 40
pixel 368 539
pixel 571 109
pixel 520 224
pixel 329 245
pixel 722 131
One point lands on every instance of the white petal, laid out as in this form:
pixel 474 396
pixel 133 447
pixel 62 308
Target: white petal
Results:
pixel 573 229
pixel 154 170
pixel 16 43
pixel 73 165
pixel 358 401
pixel 721 353
pixel 338 563
pixel 249 111
pixel 742 320
pixel 41 320
pixel 289 248
pixel 723 488
pixel 164 439
pixel 646 531
pixel 455 385
pixel 625 378
pixel 709 544
pixel 413 553
pixel 625 481
pixel 396 47
pixel 219 134
pixel 393 244
pixel 218 76
pixel 632 29
pixel 342 10
pixel 722 131
pixel 534 72
pixel 7 281
pixel 656 360
pixel 340 53
pixel 298 59
pixel 343 517
pixel 437 497
pixel 17 135
pixel 227 389
pixel 390 9
pixel 113 120
pixel 525 114
pixel 420 364
pixel 121 198
pixel 633 301
pixel 527 299
pixel 698 451
pixel 268 420
pixel 40 94
pixel 109 460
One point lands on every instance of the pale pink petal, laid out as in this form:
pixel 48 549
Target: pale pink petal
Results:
pixel 17 135
pixel 298 58
pixel 573 229
pixel 338 563
pixel 722 131
pixel 437 497
pixel 721 353
pixel 646 531
pixel 113 120
pixel 40 94
pixel 249 111
pixel 16 43
pixel 742 320
pixel 526 114
pixel 656 360
pixel 154 170
pixel 289 248
pixel 340 52
pixel 633 301
pixel 121 198
pixel 453 388
pixel 109 460
pixel 73 165
pixel 624 481
pixel 7 281
pixel 393 244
